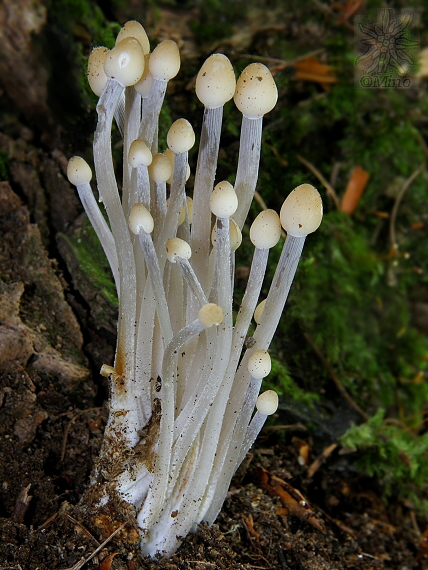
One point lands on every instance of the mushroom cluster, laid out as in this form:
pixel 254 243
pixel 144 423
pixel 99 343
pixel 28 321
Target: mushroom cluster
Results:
pixel 183 388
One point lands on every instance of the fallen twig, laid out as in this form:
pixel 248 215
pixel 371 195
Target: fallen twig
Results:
pixel 324 182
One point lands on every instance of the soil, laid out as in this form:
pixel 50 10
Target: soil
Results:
pixel 298 502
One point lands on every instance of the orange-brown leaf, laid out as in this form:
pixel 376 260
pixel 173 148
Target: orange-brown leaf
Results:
pixel 354 190
pixel 105 563
pixel 292 499
pixel 310 69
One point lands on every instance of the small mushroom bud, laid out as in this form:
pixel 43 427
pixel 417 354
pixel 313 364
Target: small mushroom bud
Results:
pixel 210 314
pixel 140 219
pixel 235 235
pixel 256 93
pixel 259 311
pixel 139 154
pixel 164 61
pixel 267 403
pixel 301 212
pixel 144 85
pixel 265 231
pixel 160 169
pixel 78 171
pixel 134 29
pixel 215 83
pixel 171 157
pixel 182 215
pixel 97 78
pixel 181 136
pixel 223 200
pixel 176 247
pixel 125 62
pixel 259 364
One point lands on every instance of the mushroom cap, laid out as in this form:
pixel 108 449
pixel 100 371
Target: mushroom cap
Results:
pixel 215 82
pixel 164 61
pixel 256 93
pixel 140 219
pixel 125 62
pixel 176 247
pixel 144 84
pixel 259 364
pixel 210 314
pixel 96 74
pixel 139 154
pixel 134 29
pixel 265 231
pixel 171 157
pixel 223 200
pixel 78 171
pixel 182 215
pixel 181 136
pixel 301 212
pixel 259 311
pixel 267 403
pixel 235 235
pixel 160 168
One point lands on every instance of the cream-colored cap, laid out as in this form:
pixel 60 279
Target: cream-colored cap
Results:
pixel 210 314
pixel 223 200
pixel 176 247
pixel 259 364
pixel 259 311
pixel 256 93
pixel 140 219
pixel 134 29
pixel 181 136
pixel 78 171
pixel 235 235
pixel 301 212
pixel 215 83
pixel 171 157
pixel 97 77
pixel 164 61
pixel 267 403
pixel 125 62
pixel 160 169
pixel 265 231
pixel 139 154
pixel 144 85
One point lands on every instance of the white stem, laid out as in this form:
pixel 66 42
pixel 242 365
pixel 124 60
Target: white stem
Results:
pixel 204 183
pixel 150 114
pixel 155 276
pixel 248 166
pixel 130 133
pixel 121 394
pixel 101 229
pixel 158 492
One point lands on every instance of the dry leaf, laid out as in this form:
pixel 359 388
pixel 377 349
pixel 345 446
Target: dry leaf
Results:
pixel 354 190
pixel 292 499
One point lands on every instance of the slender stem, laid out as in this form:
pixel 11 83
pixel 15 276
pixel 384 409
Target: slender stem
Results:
pixel 155 276
pixel 124 364
pixel 248 166
pixel 130 133
pixel 150 114
pixel 204 183
pixel 101 229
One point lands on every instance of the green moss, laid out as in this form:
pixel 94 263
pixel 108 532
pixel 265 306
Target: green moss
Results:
pixel 395 455
pixel 92 262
